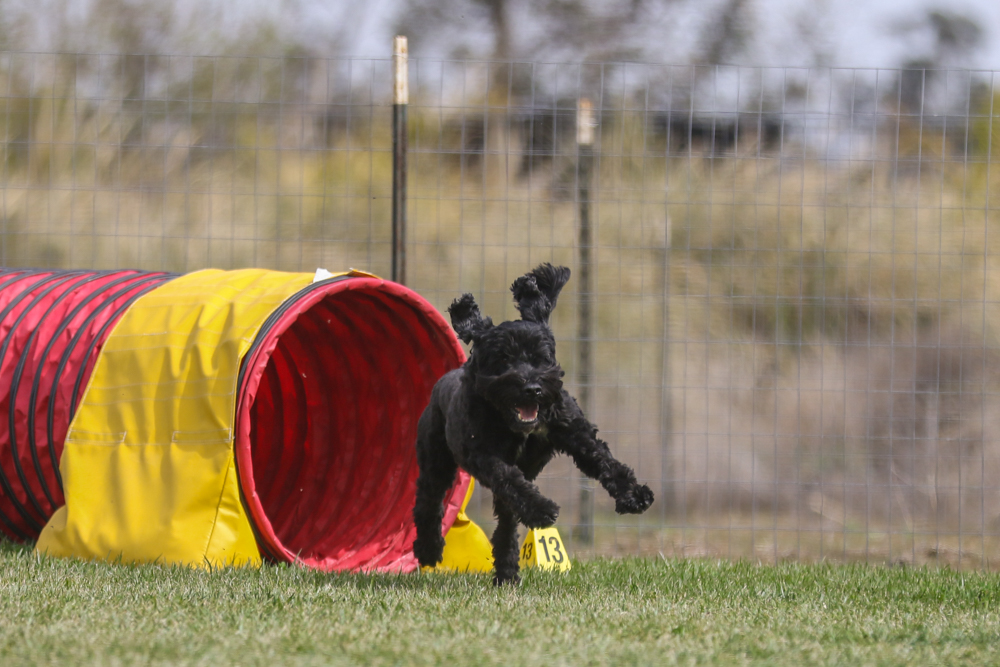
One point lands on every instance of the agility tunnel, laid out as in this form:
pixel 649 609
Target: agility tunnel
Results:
pixel 216 417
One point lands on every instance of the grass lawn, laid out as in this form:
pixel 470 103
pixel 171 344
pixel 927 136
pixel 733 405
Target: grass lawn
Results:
pixel 619 612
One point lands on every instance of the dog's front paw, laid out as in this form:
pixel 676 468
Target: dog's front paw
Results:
pixel 541 514
pixel 634 501
pixel 428 551
pixel 507 580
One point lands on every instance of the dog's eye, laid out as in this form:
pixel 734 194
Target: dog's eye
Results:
pixel 499 362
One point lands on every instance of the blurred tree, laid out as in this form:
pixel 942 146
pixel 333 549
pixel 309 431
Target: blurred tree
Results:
pixel 727 33
pixel 147 27
pixel 956 35
pixel 534 29
pixel 940 39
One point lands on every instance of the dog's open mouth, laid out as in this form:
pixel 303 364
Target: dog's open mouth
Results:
pixel 527 413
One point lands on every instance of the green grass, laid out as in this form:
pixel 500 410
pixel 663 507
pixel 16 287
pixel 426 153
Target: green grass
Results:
pixel 616 612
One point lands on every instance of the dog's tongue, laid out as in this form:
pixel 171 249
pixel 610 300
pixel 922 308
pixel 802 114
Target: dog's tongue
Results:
pixel 527 413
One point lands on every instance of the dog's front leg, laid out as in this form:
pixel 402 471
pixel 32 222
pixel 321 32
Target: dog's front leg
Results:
pixel 505 549
pixel 437 474
pixel 594 459
pixel 508 483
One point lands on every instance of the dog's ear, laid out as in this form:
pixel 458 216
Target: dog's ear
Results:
pixel 536 293
pixel 466 319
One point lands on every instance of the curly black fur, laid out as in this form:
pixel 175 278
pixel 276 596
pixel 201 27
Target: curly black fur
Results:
pixel 503 416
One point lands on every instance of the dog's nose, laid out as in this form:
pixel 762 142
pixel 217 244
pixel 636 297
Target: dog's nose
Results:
pixel 533 390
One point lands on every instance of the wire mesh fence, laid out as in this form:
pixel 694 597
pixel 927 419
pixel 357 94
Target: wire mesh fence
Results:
pixel 790 307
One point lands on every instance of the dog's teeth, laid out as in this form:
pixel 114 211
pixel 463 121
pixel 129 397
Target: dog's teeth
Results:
pixel 527 414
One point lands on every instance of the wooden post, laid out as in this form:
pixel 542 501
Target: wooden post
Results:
pixel 584 530
pixel 400 101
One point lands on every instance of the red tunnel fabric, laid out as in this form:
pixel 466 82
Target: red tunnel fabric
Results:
pixel 328 400
pixel 52 326
pixel 346 506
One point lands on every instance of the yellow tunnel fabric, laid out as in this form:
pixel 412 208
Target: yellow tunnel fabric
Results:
pixel 466 547
pixel 148 468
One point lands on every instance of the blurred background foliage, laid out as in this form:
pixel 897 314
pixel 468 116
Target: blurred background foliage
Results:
pixel 796 323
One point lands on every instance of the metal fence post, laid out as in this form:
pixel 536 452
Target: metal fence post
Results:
pixel 400 101
pixel 667 472
pixel 584 530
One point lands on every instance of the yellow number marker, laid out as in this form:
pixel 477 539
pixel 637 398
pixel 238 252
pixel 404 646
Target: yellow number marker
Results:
pixel 544 549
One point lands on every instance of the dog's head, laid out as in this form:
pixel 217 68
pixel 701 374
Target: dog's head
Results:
pixel 513 364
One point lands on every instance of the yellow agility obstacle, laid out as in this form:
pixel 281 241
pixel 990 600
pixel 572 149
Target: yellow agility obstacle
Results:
pixel 218 417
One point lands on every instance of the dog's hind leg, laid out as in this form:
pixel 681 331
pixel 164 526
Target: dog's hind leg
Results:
pixel 505 549
pixel 593 457
pixel 437 474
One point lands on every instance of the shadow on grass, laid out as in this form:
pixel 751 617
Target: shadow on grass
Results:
pixel 427 582
pixel 412 581
pixel 422 583
pixel 9 547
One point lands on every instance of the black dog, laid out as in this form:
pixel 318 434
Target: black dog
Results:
pixel 502 416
